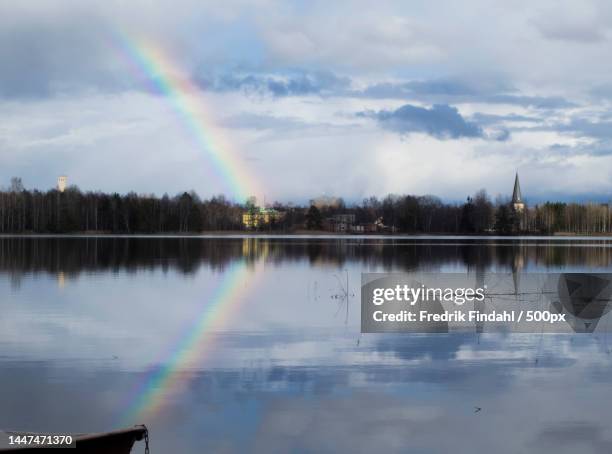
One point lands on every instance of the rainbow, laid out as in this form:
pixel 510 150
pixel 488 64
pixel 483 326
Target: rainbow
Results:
pixel 167 79
pixel 187 354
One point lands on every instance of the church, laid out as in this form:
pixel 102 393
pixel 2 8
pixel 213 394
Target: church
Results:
pixel 517 198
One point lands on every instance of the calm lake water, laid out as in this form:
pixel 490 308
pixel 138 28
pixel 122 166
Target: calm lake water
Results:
pixel 252 344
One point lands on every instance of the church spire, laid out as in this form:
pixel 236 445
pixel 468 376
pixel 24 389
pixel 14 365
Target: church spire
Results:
pixel 516 194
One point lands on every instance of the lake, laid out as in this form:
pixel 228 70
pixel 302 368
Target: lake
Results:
pixel 237 344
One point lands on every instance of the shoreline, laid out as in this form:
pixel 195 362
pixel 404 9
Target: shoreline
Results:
pixel 303 234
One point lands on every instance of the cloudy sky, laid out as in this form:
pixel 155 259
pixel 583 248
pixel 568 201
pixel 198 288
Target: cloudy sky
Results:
pixel 346 99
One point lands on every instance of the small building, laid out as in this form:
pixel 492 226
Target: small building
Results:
pixel 358 228
pixel 367 227
pixel 341 222
pixel 62 183
pixel 374 227
pixel 345 218
pixel 261 218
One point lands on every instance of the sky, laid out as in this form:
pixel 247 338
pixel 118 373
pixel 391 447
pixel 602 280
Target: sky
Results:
pixel 312 98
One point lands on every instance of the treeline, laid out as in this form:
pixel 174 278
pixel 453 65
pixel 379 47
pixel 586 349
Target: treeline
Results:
pixel 53 211
pixel 25 211
pixel 481 215
pixel 419 214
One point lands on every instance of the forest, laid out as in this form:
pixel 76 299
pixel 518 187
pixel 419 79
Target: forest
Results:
pixel 73 211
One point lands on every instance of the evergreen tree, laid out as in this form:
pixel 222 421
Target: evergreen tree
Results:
pixel 314 220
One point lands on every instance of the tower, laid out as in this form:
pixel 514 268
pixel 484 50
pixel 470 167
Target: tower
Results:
pixel 62 183
pixel 517 198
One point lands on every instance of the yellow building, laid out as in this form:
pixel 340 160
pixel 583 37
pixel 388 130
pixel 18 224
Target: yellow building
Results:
pixel 261 218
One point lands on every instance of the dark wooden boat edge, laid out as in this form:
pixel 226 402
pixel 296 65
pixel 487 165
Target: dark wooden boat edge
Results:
pixel 118 441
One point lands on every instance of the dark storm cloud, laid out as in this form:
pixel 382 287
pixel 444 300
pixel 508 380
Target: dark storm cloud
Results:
pixel 487 119
pixel 41 56
pixel 441 121
pixel 64 48
pixel 457 91
pixel 327 83
pixel 539 102
pixel 420 87
pixel 296 84
pixel 603 148
pixel 583 127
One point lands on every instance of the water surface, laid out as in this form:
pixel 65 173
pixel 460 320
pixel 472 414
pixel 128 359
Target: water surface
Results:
pixel 252 344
